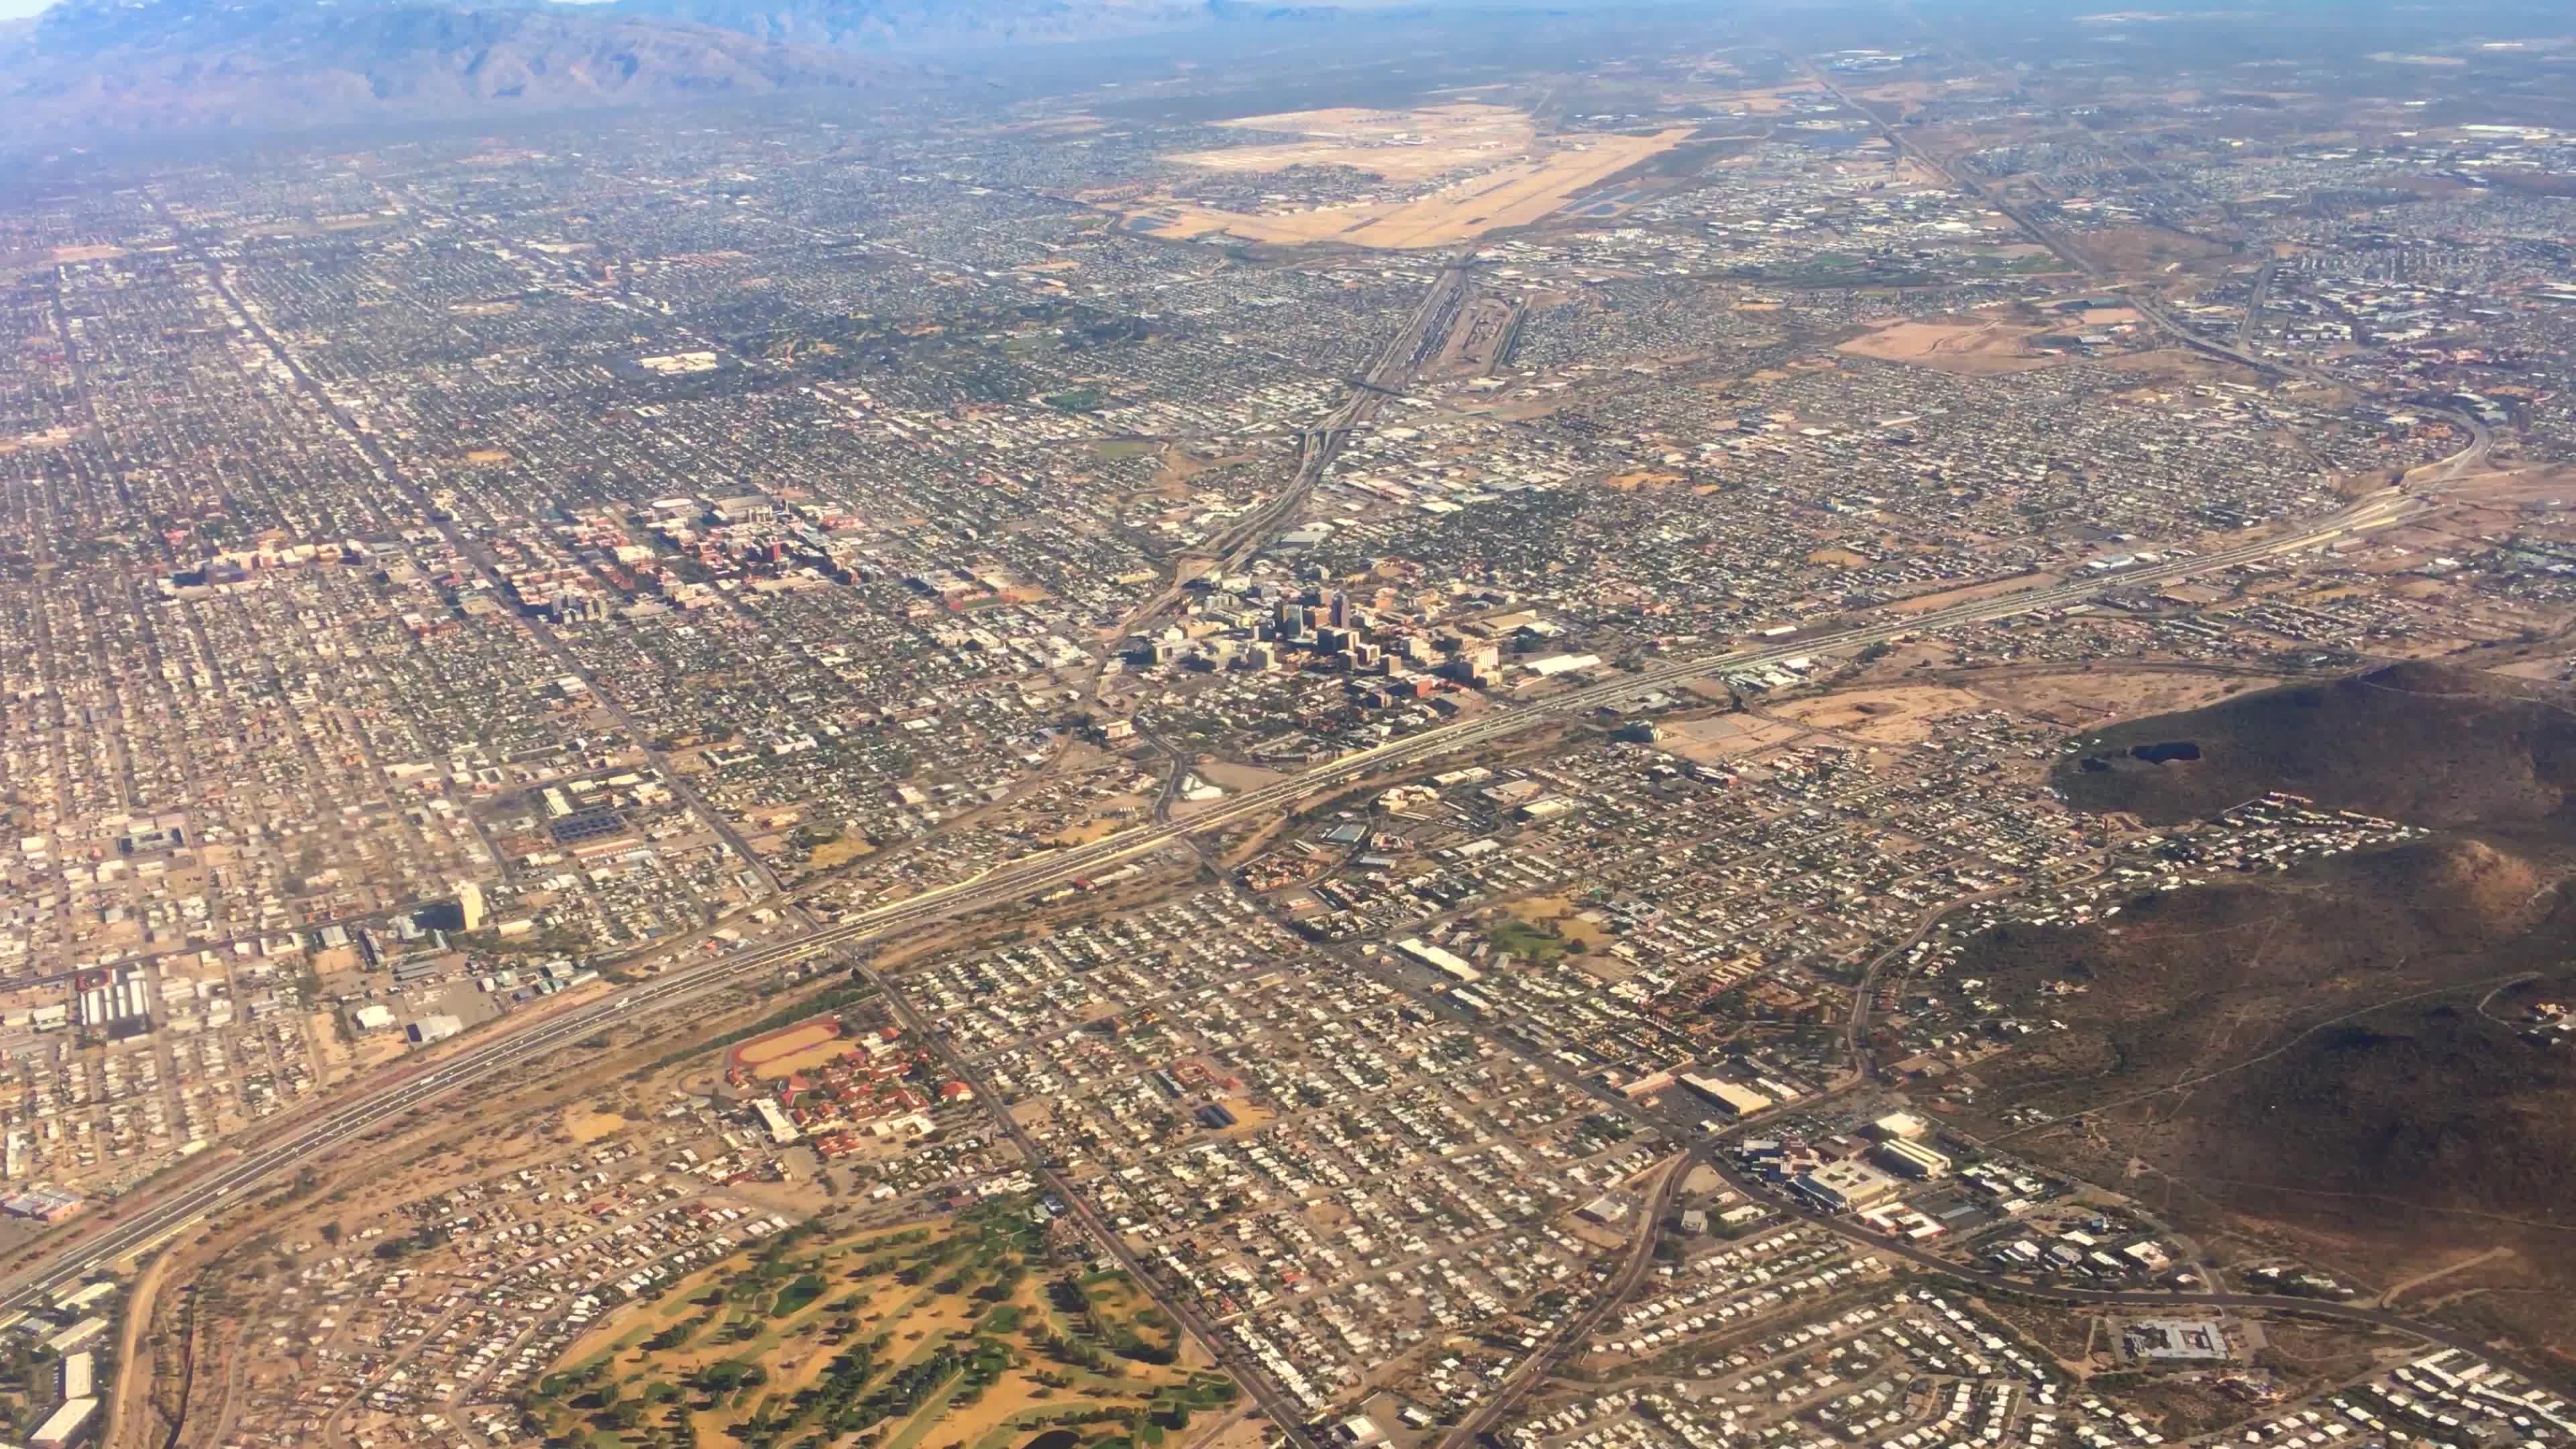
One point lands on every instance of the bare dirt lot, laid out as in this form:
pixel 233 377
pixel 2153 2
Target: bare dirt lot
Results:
pixel 586 1126
pixel 804 1061
pixel 1903 716
pixel 1926 603
pixel 1558 914
pixel 791 1050
pixel 1725 737
pixel 2146 248
pixel 1229 776
pixel 2077 698
pixel 1960 345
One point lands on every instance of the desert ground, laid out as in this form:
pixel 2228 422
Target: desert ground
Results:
pixel 1971 347
pixel 1517 177
pixel 1901 716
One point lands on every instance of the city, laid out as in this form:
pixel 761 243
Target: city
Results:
pixel 1707 736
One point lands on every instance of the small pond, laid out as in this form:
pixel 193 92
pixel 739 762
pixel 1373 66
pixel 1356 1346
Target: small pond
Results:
pixel 2167 752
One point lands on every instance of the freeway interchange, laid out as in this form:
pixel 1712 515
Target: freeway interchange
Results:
pixel 154 1215
pixel 160 1213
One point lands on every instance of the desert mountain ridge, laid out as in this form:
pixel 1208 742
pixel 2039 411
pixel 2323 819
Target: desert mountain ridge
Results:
pixel 150 66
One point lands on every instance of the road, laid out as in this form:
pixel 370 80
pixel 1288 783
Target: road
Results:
pixel 1572 1334
pixel 1677 1126
pixel 149 1215
pixel 1707 1149
pixel 1670 1122
pixel 1394 369
pixel 475 556
pixel 2119 1297
pixel 1856 1028
pixel 2481 437
pixel 1175 779
pixel 2251 322
pixel 1288 1417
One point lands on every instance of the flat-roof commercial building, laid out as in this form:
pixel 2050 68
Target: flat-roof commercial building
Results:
pixel 782 1129
pixel 80 1375
pixel 66 1426
pixel 78 1336
pixel 1899 1126
pixel 1446 962
pixel 1726 1096
pixel 1848 1186
pixel 1914 1160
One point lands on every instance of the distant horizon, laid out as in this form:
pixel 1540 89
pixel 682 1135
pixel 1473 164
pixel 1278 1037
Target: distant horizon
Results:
pixel 25 9
pixel 1288 724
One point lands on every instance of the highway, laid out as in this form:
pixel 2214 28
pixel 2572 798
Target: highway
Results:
pixel 219 1180
pixel 1396 364
pixel 2231 349
pixel 146 1217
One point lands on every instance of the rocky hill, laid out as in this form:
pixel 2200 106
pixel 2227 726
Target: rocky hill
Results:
pixel 2330 1059
pixel 2427 744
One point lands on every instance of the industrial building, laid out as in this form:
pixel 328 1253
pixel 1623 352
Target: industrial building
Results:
pixel 118 1006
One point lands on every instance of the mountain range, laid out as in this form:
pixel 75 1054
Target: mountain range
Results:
pixel 912 25
pixel 188 66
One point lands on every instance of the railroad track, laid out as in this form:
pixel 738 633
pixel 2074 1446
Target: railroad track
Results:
pixel 162 1215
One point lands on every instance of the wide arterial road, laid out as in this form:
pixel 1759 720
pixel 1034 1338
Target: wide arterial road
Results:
pixel 1404 355
pixel 150 1216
